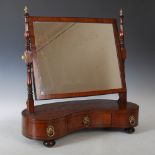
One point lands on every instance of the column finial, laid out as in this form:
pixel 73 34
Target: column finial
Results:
pixel 25 9
pixel 121 28
pixel 121 12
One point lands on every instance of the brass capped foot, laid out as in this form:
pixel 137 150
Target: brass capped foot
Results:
pixel 49 143
pixel 129 130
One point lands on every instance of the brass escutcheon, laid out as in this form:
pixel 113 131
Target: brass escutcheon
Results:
pixel 50 131
pixel 86 121
pixel 132 120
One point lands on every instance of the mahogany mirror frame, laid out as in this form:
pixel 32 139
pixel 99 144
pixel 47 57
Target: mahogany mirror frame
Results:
pixel 32 19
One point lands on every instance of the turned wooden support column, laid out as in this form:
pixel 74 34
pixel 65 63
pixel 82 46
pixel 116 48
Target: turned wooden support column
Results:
pixel 122 96
pixel 30 101
pixel 28 60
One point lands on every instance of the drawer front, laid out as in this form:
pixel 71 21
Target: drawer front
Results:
pixel 125 119
pixel 55 129
pixel 76 121
pixel 89 120
pixel 49 129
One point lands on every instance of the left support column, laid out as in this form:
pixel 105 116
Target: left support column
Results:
pixel 28 60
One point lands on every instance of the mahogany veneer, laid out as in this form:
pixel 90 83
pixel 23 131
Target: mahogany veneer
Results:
pixel 66 117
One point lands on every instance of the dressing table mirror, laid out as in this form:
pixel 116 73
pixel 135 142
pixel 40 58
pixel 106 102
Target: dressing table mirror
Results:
pixel 70 57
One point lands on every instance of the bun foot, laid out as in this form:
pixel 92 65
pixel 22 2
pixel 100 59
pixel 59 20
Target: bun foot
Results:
pixel 49 143
pixel 129 130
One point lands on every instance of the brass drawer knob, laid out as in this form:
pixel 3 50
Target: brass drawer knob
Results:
pixel 132 120
pixel 86 121
pixel 50 131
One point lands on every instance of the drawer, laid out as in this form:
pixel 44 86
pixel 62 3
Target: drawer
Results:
pixel 125 119
pixel 76 121
pixel 48 129
pixel 88 120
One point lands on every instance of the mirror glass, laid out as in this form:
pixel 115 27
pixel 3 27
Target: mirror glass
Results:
pixel 75 57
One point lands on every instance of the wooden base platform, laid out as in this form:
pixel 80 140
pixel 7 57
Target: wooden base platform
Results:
pixel 52 121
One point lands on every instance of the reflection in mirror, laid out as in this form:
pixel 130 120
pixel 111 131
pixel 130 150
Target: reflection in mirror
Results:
pixel 75 57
